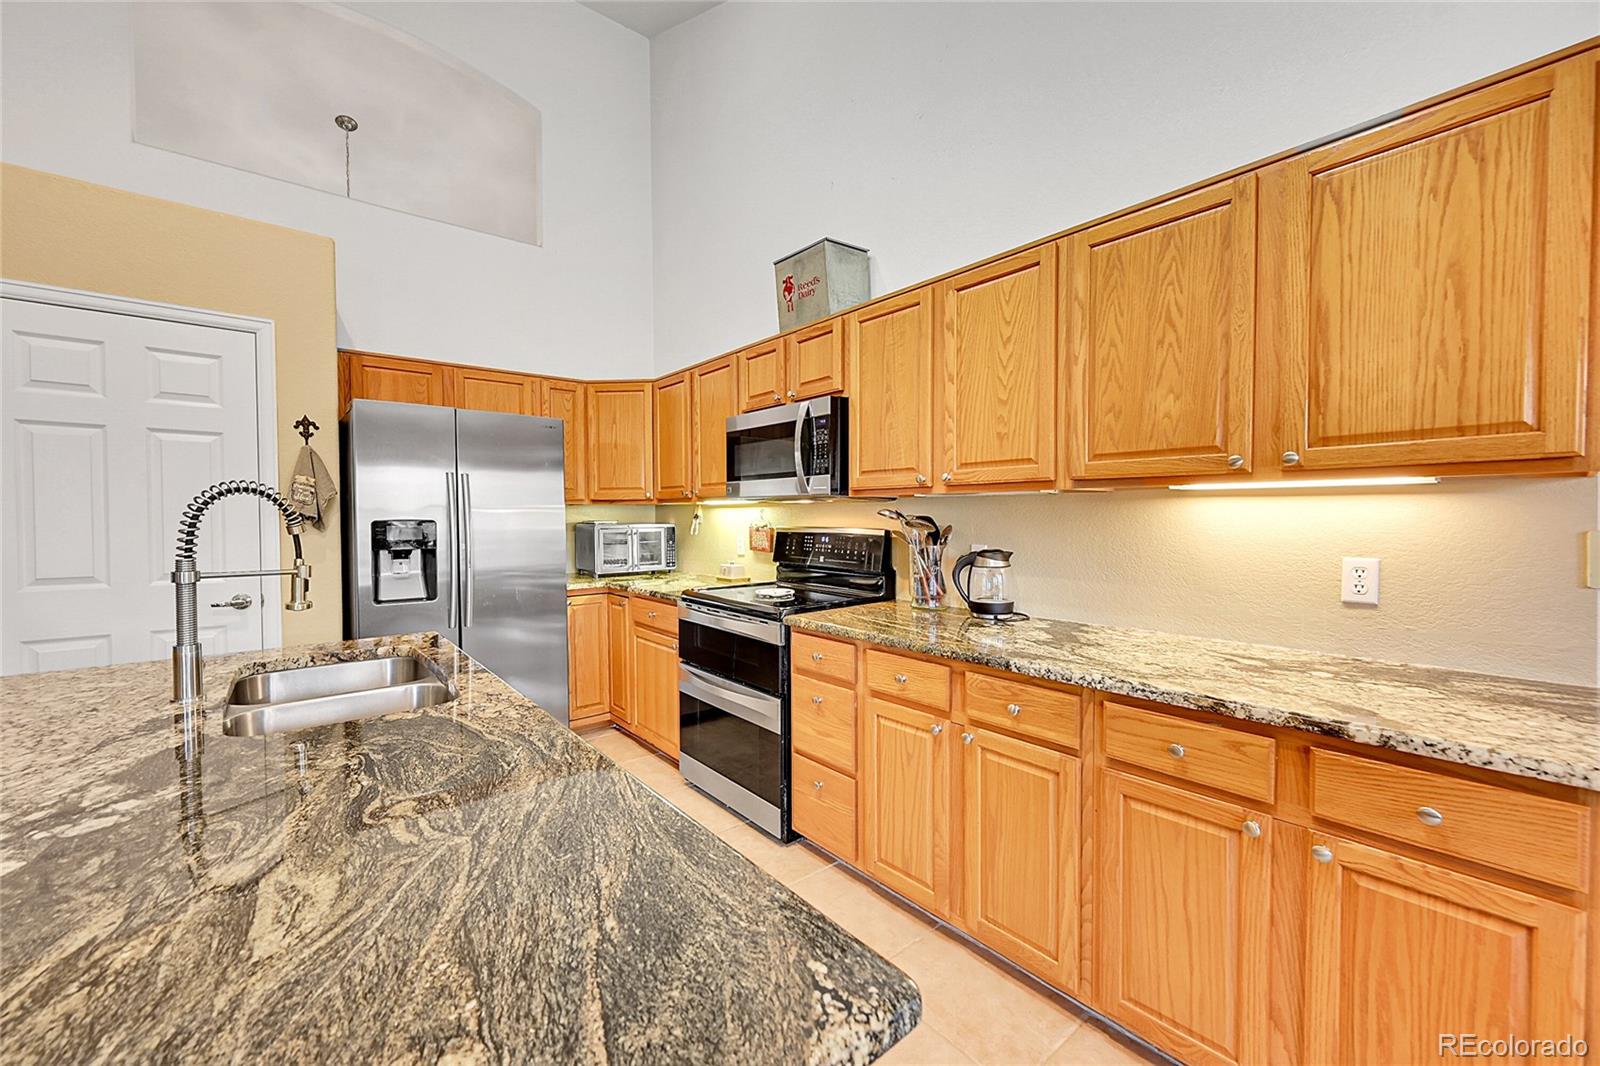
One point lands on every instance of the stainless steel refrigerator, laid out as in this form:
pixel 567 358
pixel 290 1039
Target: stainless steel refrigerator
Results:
pixel 455 521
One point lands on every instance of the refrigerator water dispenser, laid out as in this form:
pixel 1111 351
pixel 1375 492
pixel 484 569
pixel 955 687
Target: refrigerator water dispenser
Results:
pixel 405 560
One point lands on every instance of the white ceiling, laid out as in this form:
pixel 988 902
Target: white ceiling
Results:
pixel 650 17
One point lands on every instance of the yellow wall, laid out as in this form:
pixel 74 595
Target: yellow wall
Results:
pixel 59 231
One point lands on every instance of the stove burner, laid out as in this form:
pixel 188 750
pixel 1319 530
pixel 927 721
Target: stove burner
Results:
pixel 776 593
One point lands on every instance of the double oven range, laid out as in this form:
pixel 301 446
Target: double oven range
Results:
pixel 733 673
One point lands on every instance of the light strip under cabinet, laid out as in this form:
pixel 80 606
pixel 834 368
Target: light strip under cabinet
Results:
pixel 1303 483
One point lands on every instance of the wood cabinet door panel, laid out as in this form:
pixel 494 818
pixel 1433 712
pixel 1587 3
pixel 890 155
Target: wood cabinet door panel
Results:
pixel 891 394
pixel 588 666
pixel 1430 304
pixel 825 807
pixel 474 389
pixel 1021 808
pixel 762 377
pixel 565 400
pixel 1160 337
pixel 716 399
pixel 1400 952
pixel 996 372
pixel 815 360
pixel 1185 910
pixel 673 447
pixel 618 441
pixel 655 688
pixel 376 377
pixel 619 660
pixel 906 802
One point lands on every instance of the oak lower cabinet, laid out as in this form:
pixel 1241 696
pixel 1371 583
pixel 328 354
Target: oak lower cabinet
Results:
pixel 617 441
pixel 1185 913
pixel 1400 952
pixel 654 666
pixel 1020 809
pixel 619 641
pixel 906 784
pixel 588 660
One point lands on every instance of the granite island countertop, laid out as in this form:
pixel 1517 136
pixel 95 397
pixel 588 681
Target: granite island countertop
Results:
pixel 1533 729
pixel 662 586
pixel 469 882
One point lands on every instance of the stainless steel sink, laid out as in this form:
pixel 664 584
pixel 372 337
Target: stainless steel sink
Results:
pixel 309 696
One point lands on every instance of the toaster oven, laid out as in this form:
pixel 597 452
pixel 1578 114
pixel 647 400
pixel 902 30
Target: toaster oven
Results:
pixel 604 548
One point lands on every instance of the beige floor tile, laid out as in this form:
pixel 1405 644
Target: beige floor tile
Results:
pixel 787 863
pixel 989 1014
pixel 655 771
pixel 925 1046
pixel 708 812
pixel 1089 1045
pixel 617 744
pixel 880 922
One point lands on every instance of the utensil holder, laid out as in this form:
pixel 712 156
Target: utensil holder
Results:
pixel 928 587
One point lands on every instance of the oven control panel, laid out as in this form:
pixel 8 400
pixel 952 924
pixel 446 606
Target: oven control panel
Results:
pixel 858 551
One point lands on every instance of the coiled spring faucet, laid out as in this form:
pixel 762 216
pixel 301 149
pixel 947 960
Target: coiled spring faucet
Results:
pixel 187 668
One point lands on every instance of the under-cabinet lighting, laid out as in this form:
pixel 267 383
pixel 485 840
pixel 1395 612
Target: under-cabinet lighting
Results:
pixel 1304 483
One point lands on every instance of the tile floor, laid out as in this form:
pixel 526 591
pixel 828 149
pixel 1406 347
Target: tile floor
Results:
pixel 976 1007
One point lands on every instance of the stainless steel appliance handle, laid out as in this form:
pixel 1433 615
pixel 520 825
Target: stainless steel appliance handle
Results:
pixel 800 418
pixel 451 521
pixel 755 628
pixel 466 548
pixel 757 708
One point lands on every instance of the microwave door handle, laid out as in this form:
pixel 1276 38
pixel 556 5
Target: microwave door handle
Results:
pixel 800 419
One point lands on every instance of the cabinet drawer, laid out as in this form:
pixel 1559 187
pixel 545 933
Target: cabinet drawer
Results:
pixel 821 657
pixel 825 722
pixel 1033 710
pixel 1523 833
pixel 656 614
pixel 1227 759
pixel 825 807
pixel 912 680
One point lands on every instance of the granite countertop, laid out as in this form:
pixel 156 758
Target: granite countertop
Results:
pixel 1530 728
pixel 470 882
pixel 663 586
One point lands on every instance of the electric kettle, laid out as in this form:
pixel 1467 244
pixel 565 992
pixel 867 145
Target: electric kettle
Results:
pixel 988 588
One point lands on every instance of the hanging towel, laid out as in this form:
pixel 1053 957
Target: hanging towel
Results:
pixel 312 490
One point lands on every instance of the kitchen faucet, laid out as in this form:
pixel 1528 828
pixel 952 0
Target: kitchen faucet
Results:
pixel 187 668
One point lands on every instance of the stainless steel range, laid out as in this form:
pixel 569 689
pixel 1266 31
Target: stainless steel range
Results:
pixel 733 673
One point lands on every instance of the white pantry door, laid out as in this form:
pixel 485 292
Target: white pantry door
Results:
pixel 111 424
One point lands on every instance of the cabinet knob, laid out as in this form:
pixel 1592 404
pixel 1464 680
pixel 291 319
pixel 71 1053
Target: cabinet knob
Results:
pixel 1235 462
pixel 775 396
pixel 937 728
pixel 1291 458
pixel 945 476
pixel 687 494
pixel 1252 828
pixel 649 614
pixel 901 679
pixel 817 785
pixel 1429 816
pixel 674 645
pixel 816 656
pixel 793 394
pixel 966 738
pixel 817 700
pixel 922 479
pixel 1013 709
pixel 1175 750
pixel 1322 853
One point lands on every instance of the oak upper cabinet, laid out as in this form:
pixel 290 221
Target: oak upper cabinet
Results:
pixel 565 400
pixel 1423 951
pixel 673 444
pixel 1426 281
pixel 715 388
pixel 381 377
pixel 1159 313
pixel 618 440
pixel 1184 912
pixel 655 688
pixel 995 373
pixel 890 347
pixel 814 359
pixel 763 377
pixel 588 648
pixel 906 802
pixel 619 649
pixel 490 390
pixel 1020 808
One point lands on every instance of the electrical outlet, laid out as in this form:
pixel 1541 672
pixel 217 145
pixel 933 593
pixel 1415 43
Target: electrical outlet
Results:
pixel 1360 583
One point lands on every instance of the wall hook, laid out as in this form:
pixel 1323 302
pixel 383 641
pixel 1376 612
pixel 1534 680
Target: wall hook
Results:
pixel 305 427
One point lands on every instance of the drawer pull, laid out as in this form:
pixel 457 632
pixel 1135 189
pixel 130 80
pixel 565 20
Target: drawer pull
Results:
pixel 649 614
pixel 1252 828
pixel 1013 709
pixel 901 679
pixel 817 700
pixel 1429 816
pixel 817 785
pixel 966 738
pixel 816 656
pixel 1322 853
pixel 937 728
pixel 1175 750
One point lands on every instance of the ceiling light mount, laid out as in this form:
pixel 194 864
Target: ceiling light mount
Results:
pixel 346 123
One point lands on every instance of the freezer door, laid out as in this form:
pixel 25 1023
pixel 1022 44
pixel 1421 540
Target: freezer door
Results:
pixel 399 465
pixel 514 551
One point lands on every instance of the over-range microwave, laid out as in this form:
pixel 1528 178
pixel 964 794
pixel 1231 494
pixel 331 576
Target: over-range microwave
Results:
pixel 603 548
pixel 796 450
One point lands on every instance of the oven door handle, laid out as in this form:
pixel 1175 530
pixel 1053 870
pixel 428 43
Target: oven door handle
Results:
pixel 800 418
pixel 757 708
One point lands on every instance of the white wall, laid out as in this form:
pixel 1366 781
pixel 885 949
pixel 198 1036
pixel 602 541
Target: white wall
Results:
pixel 580 304
pixel 937 134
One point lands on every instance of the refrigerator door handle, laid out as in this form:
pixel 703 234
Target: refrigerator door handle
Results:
pixel 451 525
pixel 465 508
